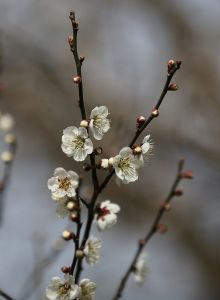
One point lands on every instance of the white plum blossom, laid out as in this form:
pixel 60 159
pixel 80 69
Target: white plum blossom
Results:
pixel 63 290
pixel 144 151
pixel 92 250
pixel 6 122
pixel 105 216
pixel 126 165
pixel 88 289
pixel 141 268
pixel 63 183
pixel 76 143
pixel 99 124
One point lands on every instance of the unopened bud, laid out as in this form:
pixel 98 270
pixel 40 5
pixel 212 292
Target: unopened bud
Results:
pixel 65 269
pixel 71 205
pixel 68 235
pixel 84 123
pixel 74 216
pixel 104 163
pixel 7 157
pixel 155 113
pixel 187 175
pixel 166 206
pixel 178 192
pixel 173 87
pixel 142 242
pixel 162 228
pixel 137 150
pixel 79 253
pixel 110 161
pixel 140 121
pixel 77 79
pixel 98 151
pixel 70 40
pixel 86 167
pixel 10 138
pixel 81 59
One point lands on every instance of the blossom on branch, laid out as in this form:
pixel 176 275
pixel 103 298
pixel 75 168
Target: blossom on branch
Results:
pixel 126 165
pixel 88 289
pixel 63 290
pixel 63 183
pixel 105 216
pixel 92 250
pixel 6 122
pixel 144 151
pixel 99 124
pixel 76 143
pixel 141 268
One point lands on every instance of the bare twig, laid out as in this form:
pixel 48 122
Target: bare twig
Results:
pixel 154 227
pixel 6 177
pixel 6 296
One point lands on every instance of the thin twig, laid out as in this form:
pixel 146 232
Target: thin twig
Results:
pixel 6 177
pixel 99 188
pixel 153 229
pixel 6 296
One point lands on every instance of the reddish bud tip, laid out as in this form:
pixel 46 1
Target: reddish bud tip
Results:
pixel 178 192
pixel 155 113
pixel 81 59
pixel 70 40
pixel 77 79
pixel 65 269
pixel 86 167
pixel 162 228
pixel 98 151
pixel 142 242
pixel 187 175
pixel 140 121
pixel 173 87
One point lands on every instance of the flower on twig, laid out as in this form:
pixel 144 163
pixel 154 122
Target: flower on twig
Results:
pixel 92 250
pixel 141 268
pixel 88 289
pixel 6 122
pixel 76 143
pixel 105 216
pixel 63 290
pixel 144 151
pixel 63 183
pixel 126 165
pixel 99 124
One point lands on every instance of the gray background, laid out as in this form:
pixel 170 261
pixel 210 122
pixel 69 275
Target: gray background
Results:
pixel 127 45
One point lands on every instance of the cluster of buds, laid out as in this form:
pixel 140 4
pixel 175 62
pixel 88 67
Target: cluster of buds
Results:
pixel 106 163
pixel 173 65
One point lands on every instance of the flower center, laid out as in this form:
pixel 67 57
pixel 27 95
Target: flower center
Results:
pixel 64 289
pixel 97 122
pixel 102 212
pixel 64 183
pixel 124 163
pixel 79 142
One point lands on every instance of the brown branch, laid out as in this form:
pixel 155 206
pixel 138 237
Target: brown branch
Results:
pixel 6 296
pixel 172 68
pixel 154 227
pixel 6 176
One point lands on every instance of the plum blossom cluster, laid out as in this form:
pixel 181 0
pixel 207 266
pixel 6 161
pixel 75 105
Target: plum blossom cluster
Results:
pixel 129 160
pixel 76 142
pixel 67 289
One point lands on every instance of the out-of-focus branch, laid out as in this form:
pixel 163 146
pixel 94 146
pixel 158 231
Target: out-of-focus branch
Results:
pixel 155 227
pixel 4 295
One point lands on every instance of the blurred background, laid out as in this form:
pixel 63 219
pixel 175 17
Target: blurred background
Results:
pixel 127 45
